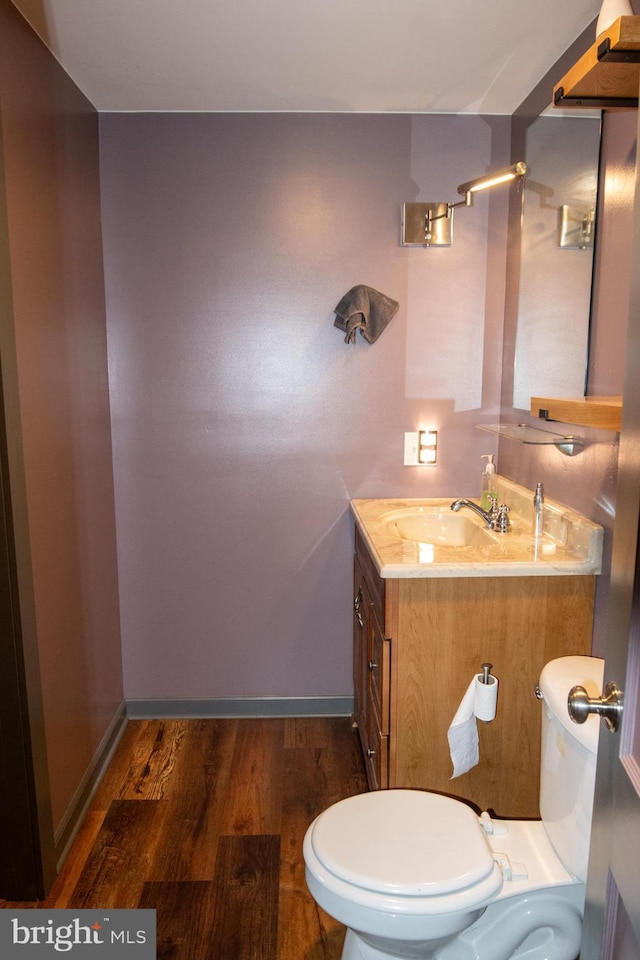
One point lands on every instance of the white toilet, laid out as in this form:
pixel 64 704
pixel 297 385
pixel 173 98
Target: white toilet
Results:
pixel 418 874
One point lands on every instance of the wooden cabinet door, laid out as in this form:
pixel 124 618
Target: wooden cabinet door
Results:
pixel 378 718
pixel 359 644
pixel 371 660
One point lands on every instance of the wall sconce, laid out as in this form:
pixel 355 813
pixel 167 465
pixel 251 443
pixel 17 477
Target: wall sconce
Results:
pixel 431 224
pixel 576 227
pixel 428 447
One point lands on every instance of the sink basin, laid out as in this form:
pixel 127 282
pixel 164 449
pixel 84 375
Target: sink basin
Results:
pixel 423 537
pixel 438 525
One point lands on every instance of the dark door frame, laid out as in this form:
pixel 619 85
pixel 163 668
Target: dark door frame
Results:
pixel 21 868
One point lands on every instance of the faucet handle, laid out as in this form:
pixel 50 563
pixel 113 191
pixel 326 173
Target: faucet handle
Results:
pixel 502 522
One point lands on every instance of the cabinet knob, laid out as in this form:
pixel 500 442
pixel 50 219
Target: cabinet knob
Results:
pixel 371 752
pixel 373 665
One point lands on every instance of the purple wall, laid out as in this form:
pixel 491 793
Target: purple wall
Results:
pixel 615 236
pixel 242 423
pixel 54 366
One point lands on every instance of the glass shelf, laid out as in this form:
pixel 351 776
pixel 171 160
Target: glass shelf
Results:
pixel 523 433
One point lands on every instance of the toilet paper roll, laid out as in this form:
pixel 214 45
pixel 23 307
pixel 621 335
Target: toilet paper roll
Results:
pixel 479 701
pixel 485 697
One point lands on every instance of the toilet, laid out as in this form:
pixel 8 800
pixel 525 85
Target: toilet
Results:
pixel 413 874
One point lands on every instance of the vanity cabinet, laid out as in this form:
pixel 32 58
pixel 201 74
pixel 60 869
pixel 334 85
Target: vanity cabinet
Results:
pixel 417 644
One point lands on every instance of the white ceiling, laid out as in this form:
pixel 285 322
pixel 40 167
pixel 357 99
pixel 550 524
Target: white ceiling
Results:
pixel 417 56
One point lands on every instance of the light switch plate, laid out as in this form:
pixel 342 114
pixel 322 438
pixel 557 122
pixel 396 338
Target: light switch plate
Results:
pixel 411 449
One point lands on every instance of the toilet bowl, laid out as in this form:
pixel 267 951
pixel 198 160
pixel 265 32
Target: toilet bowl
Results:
pixel 414 874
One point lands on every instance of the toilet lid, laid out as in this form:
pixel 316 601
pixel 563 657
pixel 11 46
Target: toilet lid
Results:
pixel 407 842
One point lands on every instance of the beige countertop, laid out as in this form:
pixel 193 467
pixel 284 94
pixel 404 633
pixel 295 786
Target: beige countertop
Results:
pixel 571 544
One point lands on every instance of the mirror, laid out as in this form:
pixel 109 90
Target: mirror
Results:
pixel 556 257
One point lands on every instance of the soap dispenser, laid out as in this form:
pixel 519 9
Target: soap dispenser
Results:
pixel 488 493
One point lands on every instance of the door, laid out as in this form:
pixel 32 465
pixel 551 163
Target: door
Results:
pixel 612 913
pixel 27 854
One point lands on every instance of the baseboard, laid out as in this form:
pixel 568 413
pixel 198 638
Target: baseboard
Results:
pixel 241 707
pixel 66 832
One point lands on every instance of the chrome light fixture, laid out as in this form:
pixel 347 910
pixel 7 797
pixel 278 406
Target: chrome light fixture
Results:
pixel 428 447
pixel 431 224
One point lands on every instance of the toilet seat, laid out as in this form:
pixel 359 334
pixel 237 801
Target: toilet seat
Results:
pixel 406 844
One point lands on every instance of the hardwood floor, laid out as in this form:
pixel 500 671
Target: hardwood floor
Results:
pixel 203 820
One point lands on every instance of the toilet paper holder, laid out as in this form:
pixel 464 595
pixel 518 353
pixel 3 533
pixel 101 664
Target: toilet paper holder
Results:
pixel 478 703
pixel 486 672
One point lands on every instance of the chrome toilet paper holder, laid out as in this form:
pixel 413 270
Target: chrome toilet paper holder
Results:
pixel 486 672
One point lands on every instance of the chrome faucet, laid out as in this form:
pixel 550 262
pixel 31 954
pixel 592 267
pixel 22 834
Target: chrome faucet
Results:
pixel 496 519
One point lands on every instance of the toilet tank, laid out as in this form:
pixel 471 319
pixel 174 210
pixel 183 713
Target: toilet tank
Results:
pixel 568 759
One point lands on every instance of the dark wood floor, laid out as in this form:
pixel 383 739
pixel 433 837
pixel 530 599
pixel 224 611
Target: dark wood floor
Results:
pixel 203 820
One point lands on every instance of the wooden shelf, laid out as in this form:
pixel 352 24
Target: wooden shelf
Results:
pixel 602 412
pixel 607 76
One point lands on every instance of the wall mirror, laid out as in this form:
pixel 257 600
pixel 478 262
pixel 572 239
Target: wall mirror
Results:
pixel 556 256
